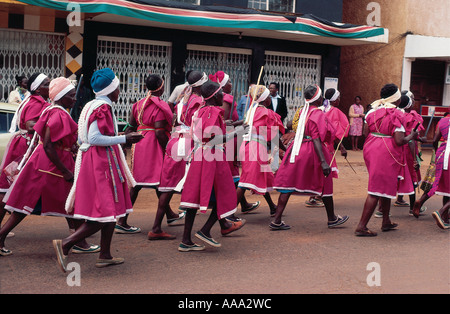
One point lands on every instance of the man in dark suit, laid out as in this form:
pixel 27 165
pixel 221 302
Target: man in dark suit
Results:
pixel 278 102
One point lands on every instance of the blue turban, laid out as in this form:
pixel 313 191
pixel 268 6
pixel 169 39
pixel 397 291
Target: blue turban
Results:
pixel 104 82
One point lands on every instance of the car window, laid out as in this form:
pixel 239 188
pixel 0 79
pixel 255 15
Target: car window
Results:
pixel 5 121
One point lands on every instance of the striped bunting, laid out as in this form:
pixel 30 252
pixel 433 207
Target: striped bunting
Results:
pixel 201 16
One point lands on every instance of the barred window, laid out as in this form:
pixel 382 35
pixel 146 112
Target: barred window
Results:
pixel 189 1
pixel 273 5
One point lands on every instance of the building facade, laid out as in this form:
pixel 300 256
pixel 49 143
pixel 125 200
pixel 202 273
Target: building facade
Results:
pixel 295 42
pixel 417 57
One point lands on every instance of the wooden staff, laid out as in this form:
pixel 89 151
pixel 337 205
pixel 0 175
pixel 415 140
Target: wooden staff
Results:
pixel 337 148
pixel 253 96
pixel 53 174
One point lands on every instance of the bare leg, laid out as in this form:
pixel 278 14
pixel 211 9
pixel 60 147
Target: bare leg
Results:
pixel 329 207
pixel 163 209
pixel 188 224
pixel 12 222
pixel 87 229
pixel 271 204
pixel 74 224
pixel 418 204
pixel 282 202
pixel 369 208
pixel 105 240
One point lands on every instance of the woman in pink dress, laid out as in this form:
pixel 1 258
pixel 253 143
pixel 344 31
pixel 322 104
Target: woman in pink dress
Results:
pixel 232 118
pixel 152 118
pixel 356 114
pixel 177 152
pixel 265 124
pixel 47 176
pixel 100 192
pixel 341 126
pixel 384 157
pixel 340 123
pixel 441 185
pixel 24 119
pixel 305 168
pixel 209 173
pixel 411 119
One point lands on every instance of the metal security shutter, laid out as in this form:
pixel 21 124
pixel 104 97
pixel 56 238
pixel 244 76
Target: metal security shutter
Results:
pixel 132 60
pixel 294 72
pixel 233 61
pixel 27 53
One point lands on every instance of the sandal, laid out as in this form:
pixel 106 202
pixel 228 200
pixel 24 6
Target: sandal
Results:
pixel 93 248
pixel 389 227
pixel 314 203
pixel 365 233
pixel 160 236
pixel 281 226
pixel 122 230
pixel 339 221
pixel 5 252
pixel 109 262
pixel 178 220
pixel 251 208
pixel 401 204
pixel 439 221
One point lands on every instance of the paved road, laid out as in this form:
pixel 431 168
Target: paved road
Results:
pixel 309 258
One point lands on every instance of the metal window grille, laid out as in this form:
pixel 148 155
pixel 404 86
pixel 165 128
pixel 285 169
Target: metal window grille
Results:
pixel 235 62
pixel 258 4
pixel 26 53
pixel 273 5
pixel 132 61
pixel 189 1
pixel 294 72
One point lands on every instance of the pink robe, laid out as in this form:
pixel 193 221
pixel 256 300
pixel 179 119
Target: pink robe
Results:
pixel 208 167
pixel 341 125
pixel 174 166
pixel 39 178
pixel 234 166
pixel 441 185
pixel 305 176
pixel 18 144
pixel 98 197
pixel 147 112
pixel 409 122
pixel 256 173
pixel 385 160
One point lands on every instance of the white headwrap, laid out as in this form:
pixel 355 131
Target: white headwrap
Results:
pixel 109 89
pixel 335 96
pixel 387 102
pixel 252 110
pixel 326 103
pixel 201 81
pixel 222 83
pixel 16 118
pixel 37 82
pixel 301 125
